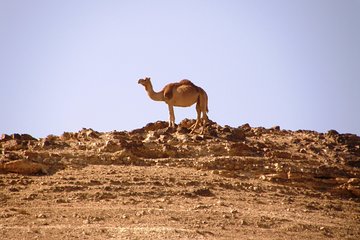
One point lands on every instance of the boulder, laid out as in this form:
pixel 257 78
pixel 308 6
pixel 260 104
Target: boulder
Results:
pixel 5 137
pixel 27 137
pixel 242 149
pixel 15 145
pixel 187 123
pixel 111 146
pixel 25 167
pixel 236 135
pixel 156 126
pixel 88 133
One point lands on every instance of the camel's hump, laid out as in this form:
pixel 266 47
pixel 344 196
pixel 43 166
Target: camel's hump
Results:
pixel 186 81
pixel 168 89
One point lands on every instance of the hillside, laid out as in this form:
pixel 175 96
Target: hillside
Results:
pixel 162 183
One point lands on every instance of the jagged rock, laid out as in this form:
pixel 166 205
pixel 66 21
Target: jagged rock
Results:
pixel 236 178
pixel 118 135
pixel 187 123
pixel 242 149
pixel 67 136
pixel 52 142
pixel 151 136
pixel 226 129
pixel 166 131
pixel 204 192
pixel 351 188
pixel 36 156
pixel 27 137
pixel 260 131
pixel 52 138
pixel 275 128
pixel 15 145
pixel 332 133
pixel 327 172
pixel 245 127
pixel 24 167
pixel 148 152
pixel 183 130
pixel 352 143
pixel 5 137
pixel 228 151
pixel 16 136
pixel 88 133
pixel 111 146
pixel 198 137
pixel 170 151
pixel 353 185
pixel 12 156
pixel 156 126
pixel 236 135
pixel 353 162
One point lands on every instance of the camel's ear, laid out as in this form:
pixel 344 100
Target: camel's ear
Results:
pixel 147 78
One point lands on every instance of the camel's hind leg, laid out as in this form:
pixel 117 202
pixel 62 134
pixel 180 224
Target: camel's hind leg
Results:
pixel 201 108
pixel 198 119
pixel 204 120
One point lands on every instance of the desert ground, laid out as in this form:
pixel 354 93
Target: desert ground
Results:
pixel 157 182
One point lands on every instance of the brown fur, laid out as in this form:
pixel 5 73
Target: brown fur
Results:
pixel 168 89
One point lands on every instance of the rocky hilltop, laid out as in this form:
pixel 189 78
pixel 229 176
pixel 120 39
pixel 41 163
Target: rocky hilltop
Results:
pixel 165 183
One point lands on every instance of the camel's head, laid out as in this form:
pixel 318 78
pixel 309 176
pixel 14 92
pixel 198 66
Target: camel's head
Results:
pixel 145 82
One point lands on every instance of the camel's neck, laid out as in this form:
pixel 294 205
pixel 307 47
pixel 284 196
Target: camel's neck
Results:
pixel 156 96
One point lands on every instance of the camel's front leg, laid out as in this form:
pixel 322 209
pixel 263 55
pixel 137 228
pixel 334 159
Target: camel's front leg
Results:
pixel 172 116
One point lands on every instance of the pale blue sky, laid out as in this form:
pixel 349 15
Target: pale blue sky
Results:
pixel 70 64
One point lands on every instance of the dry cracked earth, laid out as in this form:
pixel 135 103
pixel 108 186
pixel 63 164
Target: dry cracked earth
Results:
pixel 163 183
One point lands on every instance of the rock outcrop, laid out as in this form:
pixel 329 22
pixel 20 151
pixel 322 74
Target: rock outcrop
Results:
pixel 323 161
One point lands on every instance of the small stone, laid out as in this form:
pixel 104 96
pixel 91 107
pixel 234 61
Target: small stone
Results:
pixel 302 150
pixel 140 213
pixel 275 128
pixel 243 222
pixel 14 189
pixel 204 192
pixel 41 215
pixel 86 221
pixel 234 211
pixel 60 200
pixel 198 137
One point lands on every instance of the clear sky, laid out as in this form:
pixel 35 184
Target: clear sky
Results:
pixel 68 64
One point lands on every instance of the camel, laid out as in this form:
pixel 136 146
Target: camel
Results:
pixel 180 94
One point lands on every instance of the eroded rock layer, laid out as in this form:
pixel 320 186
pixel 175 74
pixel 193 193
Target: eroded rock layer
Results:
pixel 324 161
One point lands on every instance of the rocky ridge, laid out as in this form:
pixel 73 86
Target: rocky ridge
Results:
pixel 324 161
pixel 245 159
